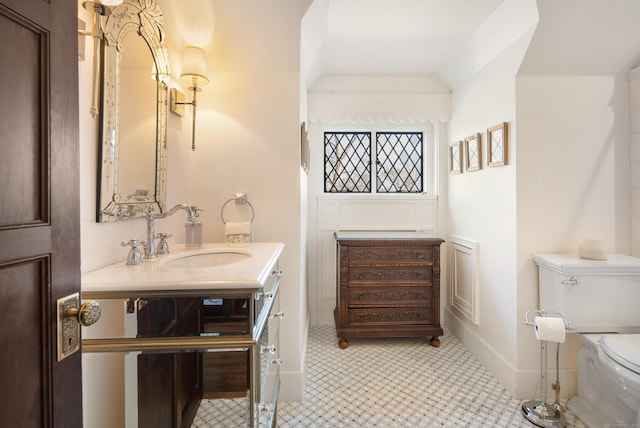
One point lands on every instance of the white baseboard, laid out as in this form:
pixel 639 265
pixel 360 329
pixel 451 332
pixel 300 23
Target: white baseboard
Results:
pixel 292 381
pixel 291 386
pixel 521 384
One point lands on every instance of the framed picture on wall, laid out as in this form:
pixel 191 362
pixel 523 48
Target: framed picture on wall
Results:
pixel 472 148
pixel 455 157
pixel 304 147
pixel 497 154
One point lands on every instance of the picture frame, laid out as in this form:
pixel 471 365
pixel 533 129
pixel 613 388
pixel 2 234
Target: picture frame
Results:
pixel 473 152
pixel 304 147
pixel 498 145
pixel 455 157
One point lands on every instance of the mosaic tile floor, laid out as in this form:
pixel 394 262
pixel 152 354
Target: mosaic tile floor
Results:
pixel 387 383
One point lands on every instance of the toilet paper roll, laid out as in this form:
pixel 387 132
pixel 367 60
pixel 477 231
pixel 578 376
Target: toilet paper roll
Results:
pixel 550 329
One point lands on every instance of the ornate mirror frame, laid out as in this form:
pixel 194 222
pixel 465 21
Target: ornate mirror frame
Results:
pixel 145 18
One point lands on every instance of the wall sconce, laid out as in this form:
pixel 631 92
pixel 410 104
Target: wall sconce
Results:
pixel 194 72
pixel 99 9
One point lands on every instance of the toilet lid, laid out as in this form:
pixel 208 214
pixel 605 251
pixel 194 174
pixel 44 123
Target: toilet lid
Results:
pixel 624 349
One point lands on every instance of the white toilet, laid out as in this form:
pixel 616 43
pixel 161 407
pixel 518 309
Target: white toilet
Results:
pixel 600 299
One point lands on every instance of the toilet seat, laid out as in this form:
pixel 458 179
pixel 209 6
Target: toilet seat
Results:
pixel 624 349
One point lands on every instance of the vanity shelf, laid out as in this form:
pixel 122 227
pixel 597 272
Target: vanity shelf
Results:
pixel 387 285
pixel 178 337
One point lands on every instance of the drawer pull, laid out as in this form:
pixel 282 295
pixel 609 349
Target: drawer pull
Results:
pixel 270 348
pixel 140 303
pixel 268 295
pixel 276 272
pixel 277 315
pixel 277 361
pixel 264 408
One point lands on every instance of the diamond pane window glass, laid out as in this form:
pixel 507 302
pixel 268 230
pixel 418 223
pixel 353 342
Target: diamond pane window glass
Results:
pixel 347 162
pixel 399 162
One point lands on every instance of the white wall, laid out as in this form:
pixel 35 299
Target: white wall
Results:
pixel 634 157
pixel 482 209
pixel 482 204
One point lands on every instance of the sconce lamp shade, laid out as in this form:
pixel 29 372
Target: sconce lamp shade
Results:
pixel 194 67
pixel 112 2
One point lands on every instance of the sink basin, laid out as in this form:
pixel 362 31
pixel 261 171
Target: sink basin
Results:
pixel 209 258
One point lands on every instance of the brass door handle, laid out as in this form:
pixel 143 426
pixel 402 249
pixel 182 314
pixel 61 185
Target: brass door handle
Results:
pixel 88 314
pixel 71 315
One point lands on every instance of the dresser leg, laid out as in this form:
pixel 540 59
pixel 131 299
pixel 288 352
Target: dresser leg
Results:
pixel 435 342
pixel 343 343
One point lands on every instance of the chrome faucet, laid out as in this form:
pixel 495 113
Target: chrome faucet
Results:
pixel 150 244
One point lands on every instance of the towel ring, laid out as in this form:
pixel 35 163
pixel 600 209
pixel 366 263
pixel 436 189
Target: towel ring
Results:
pixel 244 201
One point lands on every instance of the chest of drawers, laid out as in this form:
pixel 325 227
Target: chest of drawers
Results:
pixel 388 285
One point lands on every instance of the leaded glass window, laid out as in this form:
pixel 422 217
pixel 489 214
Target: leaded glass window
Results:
pixel 398 166
pixel 347 162
pixel 399 162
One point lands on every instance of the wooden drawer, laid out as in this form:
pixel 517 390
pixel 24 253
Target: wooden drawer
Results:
pixel 375 255
pixel 225 374
pixel 387 316
pixel 359 275
pixel 380 296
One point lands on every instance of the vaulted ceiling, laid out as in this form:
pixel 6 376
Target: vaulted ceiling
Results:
pixel 409 37
pixel 428 37
pixel 398 36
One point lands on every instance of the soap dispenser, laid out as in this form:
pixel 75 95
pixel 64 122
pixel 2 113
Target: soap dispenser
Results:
pixel 193 232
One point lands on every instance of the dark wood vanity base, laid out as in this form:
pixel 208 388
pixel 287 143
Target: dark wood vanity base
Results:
pixel 388 285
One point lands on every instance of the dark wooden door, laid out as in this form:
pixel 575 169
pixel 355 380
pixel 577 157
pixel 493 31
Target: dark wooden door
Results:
pixel 39 210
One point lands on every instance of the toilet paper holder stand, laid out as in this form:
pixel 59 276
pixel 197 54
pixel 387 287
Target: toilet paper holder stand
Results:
pixel 539 412
pixel 545 313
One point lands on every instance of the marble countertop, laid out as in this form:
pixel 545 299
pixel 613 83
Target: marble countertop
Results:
pixel 158 276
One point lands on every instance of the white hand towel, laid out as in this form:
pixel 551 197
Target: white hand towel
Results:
pixel 235 233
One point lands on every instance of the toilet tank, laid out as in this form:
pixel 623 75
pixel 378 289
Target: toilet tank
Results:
pixel 593 295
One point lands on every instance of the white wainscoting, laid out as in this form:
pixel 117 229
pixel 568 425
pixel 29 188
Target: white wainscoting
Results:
pixel 465 278
pixel 363 212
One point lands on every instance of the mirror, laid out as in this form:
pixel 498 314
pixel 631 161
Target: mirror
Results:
pixel 134 73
